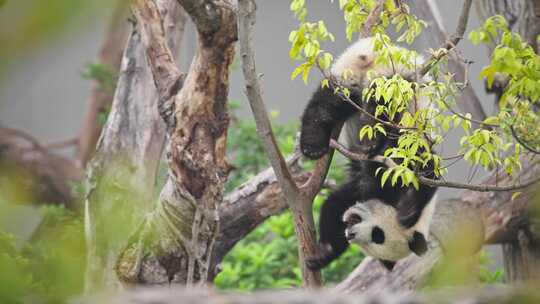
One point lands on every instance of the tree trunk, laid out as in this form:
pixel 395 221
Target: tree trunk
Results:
pixel 121 176
pixel 522 258
pixel 174 244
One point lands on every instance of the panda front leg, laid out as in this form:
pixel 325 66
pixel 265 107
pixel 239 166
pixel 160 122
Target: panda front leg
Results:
pixel 324 111
pixel 332 242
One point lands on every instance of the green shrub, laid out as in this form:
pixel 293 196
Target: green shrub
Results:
pixel 268 256
pixel 50 267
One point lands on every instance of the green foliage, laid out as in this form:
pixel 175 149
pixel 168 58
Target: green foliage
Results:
pixel 104 75
pixel 268 256
pixel 515 62
pixel 485 275
pixel 49 267
pixel 506 136
pixel 456 270
pixel 307 39
pixel 106 78
pixel 247 151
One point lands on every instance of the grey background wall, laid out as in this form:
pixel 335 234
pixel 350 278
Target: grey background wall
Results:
pixel 45 94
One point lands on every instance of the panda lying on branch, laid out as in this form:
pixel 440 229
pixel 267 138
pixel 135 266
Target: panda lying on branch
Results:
pixel 388 222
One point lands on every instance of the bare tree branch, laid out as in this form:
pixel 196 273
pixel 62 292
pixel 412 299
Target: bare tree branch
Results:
pixel 251 204
pixel 443 183
pixel 435 34
pixel 299 204
pixel 372 19
pixel 452 42
pixel 45 176
pixel 253 91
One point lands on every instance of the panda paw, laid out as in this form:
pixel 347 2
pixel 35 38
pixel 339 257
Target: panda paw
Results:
pixel 314 146
pixel 313 152
pixel 322 258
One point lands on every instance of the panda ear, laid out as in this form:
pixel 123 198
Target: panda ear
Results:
pixel 418 244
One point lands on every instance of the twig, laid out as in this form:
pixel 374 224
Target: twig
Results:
pixel 480 188
pixel 372 19
pixel 438 183
pixel 450 44
pixel 347 153
pixel 522 142
pixel 479 122
pixel 62 144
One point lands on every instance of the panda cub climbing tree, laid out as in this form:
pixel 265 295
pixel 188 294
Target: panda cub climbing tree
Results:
pixel 404 212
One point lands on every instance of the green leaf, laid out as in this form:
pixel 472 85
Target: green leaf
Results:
pixel 385 176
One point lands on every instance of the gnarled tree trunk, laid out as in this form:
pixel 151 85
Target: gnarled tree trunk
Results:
pixel 175 242
pixel 121 176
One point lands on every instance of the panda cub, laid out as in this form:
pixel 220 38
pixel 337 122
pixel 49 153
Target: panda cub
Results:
pixel 374 227
pixel 327 110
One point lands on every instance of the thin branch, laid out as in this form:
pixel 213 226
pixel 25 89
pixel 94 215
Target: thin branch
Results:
pixel 522 142
pixel 480 188
pixel 301 205
pixel 372 19
pixel 347 153
pixel 253 91
pixel 479 122
pixel 436 35
pixel 438 183
pixel 62 143
pixel 456 38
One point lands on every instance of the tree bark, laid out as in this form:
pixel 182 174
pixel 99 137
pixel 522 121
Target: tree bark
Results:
pixel 31 173
pixel 251 204
pixel 174 244
pixel 121 176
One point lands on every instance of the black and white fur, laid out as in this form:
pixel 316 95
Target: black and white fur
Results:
pixel 373 226
pixel 326 110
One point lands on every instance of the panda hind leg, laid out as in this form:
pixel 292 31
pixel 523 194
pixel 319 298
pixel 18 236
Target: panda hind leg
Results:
pixel 332 242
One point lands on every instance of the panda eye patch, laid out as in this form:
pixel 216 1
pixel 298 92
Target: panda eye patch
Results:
pixel 353 220
pixel 377 235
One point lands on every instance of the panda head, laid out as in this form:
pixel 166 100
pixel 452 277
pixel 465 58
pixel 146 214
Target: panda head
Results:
pixel 373 225
pixel 352 66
